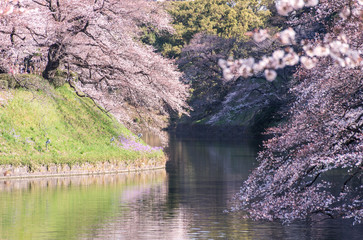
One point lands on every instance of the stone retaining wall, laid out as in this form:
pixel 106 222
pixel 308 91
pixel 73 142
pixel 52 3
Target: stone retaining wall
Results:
pixel 10 171
pixel 24 184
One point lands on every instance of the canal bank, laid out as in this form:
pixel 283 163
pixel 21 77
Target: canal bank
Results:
pixel 57 170
pixel 52 131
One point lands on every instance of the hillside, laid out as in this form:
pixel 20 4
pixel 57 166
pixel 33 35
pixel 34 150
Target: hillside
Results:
pixel 41 124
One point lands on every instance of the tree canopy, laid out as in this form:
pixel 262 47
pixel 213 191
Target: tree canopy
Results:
pixel 223 18
pixel 97 40
pixel 313 163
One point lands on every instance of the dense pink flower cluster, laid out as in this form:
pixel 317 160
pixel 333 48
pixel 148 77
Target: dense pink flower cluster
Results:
pixel 338 48
pixel 313 163
pixel 97 40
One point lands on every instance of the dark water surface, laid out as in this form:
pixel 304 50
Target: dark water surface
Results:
pixel 186 201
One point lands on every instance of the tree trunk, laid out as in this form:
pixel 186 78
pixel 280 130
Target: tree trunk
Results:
pixel 56 53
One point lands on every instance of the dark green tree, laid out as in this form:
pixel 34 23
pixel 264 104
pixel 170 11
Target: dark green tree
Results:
pixel 222 18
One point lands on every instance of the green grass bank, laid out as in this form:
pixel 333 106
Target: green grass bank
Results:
pixel 42 125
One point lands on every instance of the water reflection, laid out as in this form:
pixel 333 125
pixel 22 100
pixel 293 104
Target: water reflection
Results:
pixel 153 139
pixel 204 176
pixel 73 208
pixel 184 202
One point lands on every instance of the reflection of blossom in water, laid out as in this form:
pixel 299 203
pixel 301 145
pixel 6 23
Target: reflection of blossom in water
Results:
pixel 133 143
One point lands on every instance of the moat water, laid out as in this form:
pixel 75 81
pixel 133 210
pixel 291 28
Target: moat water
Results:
pixel 185 201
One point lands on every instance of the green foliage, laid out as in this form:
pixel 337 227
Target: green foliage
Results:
pixel 223 18
pixel 9 79
pixel 77 129
pixel 31 82
pixel 168 44
pixel 27 81
pixel 59 79
pixel 3 84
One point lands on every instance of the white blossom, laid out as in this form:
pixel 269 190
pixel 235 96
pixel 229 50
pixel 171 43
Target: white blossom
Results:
pixel 309 50
pixel 230 62
pixel 222 63
pixel 227 74
pixel 9 10
pixel 344 48
pixel 345 13
pixel 270 75
pixel 261 65
pixel 245 71
pixel 339 49
pixel 349 63
pixel 343 38
pixel 356 12
pixel 311 3
pixel 261 35
pixel 284 7
pixel 291 59
pixel 258 67
pixel 248 62
pixel 287 37
pixel 321 51
pixel 341 62
pixel 355 57
pixel 278 54
pixel 308 63
pixel 335 46
pixel 297 4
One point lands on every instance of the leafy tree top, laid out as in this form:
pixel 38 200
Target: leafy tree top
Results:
pixel 225 18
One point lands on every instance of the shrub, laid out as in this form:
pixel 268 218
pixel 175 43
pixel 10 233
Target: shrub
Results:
pixel 59 79
pixel 11 83
pixel 3 84
pixel 29 81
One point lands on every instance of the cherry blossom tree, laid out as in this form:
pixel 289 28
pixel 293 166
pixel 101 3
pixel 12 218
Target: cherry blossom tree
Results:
pixel 337 48
pixel 98 41
pixel 215 100
pixel 313 162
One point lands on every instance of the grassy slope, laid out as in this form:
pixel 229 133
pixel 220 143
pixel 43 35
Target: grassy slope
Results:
pixel 77 130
